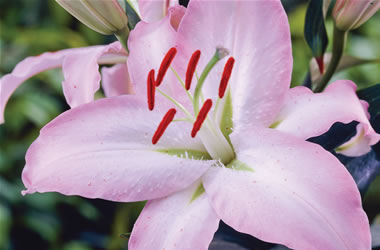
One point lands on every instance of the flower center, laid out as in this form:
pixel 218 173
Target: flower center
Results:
pixel 205 125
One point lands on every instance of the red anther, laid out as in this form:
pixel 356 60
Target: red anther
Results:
pixel 165 65
pixel 168 118
pixel 201 117
pixel 191 68
pixel 151 89
pixel 226 76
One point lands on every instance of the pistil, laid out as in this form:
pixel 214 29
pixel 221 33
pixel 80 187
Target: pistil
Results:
pixel 219 54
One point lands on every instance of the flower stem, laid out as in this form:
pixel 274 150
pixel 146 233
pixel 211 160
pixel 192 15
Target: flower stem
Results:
pixel 339 42
pixel 122 36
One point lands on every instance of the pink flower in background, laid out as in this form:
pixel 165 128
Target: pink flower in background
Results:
pixel 240 157
pixel 80 66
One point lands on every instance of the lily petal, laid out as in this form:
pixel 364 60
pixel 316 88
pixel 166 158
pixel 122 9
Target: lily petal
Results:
pixel 81 73
pixel 358 145
pixel 175 222
pixel 148 43
pixel 80 69
pixel 98 151
pixel 263 60
pixel 116 80
pixel 307 115
pixel 155 10
pixel 297 194
pixel 25 69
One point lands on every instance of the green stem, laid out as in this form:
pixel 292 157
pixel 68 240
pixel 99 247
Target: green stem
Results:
pixel 339 42
pixel 122 36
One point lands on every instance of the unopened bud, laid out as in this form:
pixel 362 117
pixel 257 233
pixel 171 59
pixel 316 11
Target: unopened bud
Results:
pixel 104 16
pixel 350 14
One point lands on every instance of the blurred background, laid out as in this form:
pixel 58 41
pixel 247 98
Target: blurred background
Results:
pixel 54 221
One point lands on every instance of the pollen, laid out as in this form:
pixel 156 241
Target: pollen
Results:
pixel 165 64
pixel 151 89
pixel 168 118
pixel 226 76
pixel 191 68
pixel 201 117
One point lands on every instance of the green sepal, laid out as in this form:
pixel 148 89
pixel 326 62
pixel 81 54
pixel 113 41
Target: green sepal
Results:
pixel 186 153
pixel 198 192
pixel 240 166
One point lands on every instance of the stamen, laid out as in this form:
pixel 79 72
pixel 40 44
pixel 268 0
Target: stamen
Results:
pixel 165 64
pixel 201 117
pixel 151 89
pixel 168 118
pixel 226 76
pixel 191 68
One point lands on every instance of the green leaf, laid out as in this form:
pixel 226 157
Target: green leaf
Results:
pixel 315 30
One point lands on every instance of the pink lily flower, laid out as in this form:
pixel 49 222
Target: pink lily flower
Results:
pixel 240 156
pixel 80 66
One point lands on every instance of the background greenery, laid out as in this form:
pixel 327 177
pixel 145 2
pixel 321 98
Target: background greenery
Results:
pixel 54 221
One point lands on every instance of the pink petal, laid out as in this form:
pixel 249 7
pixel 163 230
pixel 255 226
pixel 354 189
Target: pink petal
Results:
pixel 81 72
pixel 307 115
pixel 103 150
pixel 297 195
pixel 358 145
pixel 154 10
pixel 116 80
pixel 25 69
pixel 175 222
pixel 257 35
pixel 149 43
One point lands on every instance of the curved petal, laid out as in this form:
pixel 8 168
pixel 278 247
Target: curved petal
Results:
pixel 297 194
pixel 358 145
pixel 98 150
pixel 148 43
pixel 154 10
pixel 257 35
pixel 80 69
pixel 116 80
pixel 307 115
pixel 175 222
pixel 27 68
pixel 81 73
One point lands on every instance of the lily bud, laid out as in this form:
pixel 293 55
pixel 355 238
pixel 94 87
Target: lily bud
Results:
pixel 350 14
pixel 104 16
